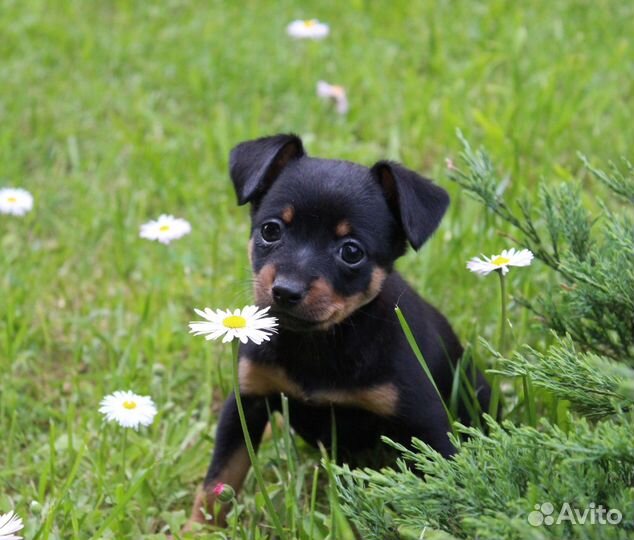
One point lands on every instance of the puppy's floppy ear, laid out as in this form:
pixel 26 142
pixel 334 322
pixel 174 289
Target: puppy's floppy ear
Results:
pixel 254 165
pixel 418 204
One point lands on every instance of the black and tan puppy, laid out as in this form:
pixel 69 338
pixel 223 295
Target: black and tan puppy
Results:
pixel 324 238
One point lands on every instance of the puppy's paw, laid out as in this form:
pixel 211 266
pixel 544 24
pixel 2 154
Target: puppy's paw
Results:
pixel 207 510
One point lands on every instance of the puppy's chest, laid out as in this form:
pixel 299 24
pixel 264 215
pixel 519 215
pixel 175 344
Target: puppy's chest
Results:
pixel 266 379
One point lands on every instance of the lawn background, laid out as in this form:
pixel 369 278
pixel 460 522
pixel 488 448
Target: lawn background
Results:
pixel 114 112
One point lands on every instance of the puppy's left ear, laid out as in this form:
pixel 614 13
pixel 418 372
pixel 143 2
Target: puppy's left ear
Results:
pixel 417 203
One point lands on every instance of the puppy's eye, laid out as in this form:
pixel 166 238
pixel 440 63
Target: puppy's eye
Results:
pixel 351 253
pixel 271 231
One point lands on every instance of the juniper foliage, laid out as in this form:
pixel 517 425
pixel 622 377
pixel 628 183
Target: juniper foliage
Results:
pixel 497 478
pixel 487 490
pixel 594 302
pixel 595 386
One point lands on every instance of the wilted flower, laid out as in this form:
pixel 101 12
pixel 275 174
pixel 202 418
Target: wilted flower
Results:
pixel 307 29
pixel 165 229
pixel 10 523
pixel 246 324
pixel 15 201
pixel 128 409
pixel 501 262
pixel 335 93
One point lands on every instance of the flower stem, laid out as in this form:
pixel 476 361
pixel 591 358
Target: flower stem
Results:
pixel 124 444
pixel 249 444
pixel 495 383
pixel 502 344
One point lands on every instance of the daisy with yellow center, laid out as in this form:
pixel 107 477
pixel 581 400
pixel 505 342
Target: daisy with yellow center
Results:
pixel 335 93
pixel 501 262
pixel 240 327
pixel 248 323
pixel 9 524
pixel 165 229
pixel 307 29
pixel 128 409
pixel 15 201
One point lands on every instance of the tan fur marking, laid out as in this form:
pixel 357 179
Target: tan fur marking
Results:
pixel 354 302
pixel 233 474
pixel 262 284
pixel 263 380
pixel 321 301
pixel 343 228
pixel 381 399
pixel 288 214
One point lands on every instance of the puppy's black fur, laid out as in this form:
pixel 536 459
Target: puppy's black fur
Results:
pixel 324 238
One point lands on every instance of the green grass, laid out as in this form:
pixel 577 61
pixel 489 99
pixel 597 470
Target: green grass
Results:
pixel 114 112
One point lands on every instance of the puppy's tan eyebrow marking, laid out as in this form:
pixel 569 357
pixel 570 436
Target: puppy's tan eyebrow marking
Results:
pixel 343 228
pixel 288 214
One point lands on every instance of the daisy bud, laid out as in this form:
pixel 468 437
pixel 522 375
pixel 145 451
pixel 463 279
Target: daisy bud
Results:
pixel 224 492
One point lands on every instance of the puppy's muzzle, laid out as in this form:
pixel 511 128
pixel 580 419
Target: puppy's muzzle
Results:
pixel 288 292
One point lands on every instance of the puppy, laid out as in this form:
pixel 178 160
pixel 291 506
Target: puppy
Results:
pixel 324 238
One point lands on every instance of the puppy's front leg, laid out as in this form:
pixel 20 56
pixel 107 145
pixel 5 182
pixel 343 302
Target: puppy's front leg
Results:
pixel 230 462
pixel 426 420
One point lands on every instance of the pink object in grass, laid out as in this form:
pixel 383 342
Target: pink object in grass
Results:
pixel 224 492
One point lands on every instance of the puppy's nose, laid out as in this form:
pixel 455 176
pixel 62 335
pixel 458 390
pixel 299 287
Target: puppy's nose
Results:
pixel 287 292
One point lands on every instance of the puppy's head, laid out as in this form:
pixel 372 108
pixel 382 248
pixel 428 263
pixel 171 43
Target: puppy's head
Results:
pixel 326 233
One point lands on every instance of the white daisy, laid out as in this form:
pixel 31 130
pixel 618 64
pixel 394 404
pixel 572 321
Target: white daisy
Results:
pixel 508 257
pixel 128 409
pixel 10 523
pixel 165 229
pixel 308 29
pixel 246 324
pixel 335 93
pixel 15 201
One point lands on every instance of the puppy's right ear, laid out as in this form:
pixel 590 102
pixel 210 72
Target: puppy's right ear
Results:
pixel 254 165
